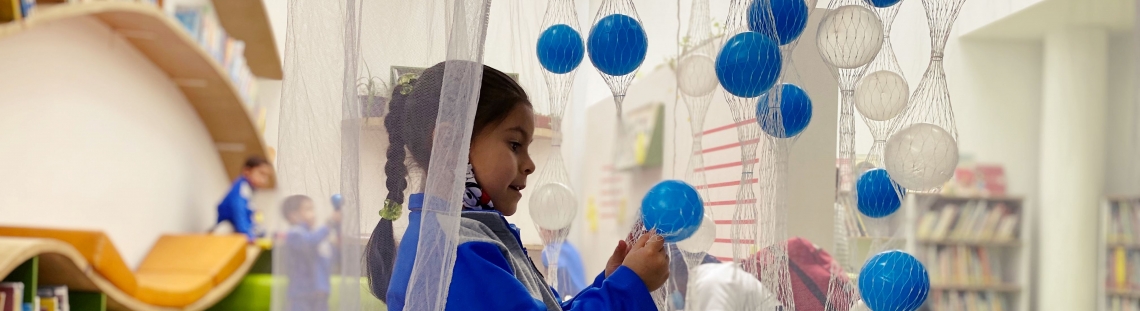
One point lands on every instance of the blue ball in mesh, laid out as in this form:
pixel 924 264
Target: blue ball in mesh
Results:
pixel 876 192
pixel 791 18
pixel 617 45
pixel 560 49
pixel 748 64
pixel 894 281
pixel 674 208
pixel 883 3
pixel 795 112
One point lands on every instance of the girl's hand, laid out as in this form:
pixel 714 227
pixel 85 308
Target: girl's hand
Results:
pixel 617 258
pixel 648 259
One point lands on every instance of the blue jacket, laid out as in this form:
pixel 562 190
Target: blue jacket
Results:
pixel 235 208
pixel 485 279
pixel 571 273
pixel 305 265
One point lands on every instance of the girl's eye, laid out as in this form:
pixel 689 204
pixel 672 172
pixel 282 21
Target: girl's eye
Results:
pixel 515 145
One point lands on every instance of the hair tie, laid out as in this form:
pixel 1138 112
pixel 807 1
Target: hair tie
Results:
pixel 391 210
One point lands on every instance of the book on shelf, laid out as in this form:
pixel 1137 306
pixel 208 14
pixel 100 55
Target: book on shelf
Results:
pixel 15 293
pixel 1122 304
pixel 49 303
pixel 948 300
pixel 946 218
pixel 1007 228
pixel 57 292
pixel 203 26
pixel 962 265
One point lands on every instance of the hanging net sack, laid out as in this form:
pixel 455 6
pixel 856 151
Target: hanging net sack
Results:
pixel 349 66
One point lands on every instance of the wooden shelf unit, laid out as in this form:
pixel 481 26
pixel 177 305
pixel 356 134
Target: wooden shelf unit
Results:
pixel 162 40
pixel 247 21
pixel 1111 245
pixel 1008 259
pixel 1005 288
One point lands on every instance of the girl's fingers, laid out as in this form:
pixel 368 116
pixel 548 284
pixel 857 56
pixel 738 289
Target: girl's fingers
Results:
pixel 656 243
pixel 642 240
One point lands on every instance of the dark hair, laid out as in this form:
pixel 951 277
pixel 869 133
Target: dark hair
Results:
pixel 410 122
pixel 412 117
pixel 254 162
pixel 292 204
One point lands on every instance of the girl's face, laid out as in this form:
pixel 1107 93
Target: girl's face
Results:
pixel 500 158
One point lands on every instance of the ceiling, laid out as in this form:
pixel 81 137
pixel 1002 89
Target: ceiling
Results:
pixel 1034 21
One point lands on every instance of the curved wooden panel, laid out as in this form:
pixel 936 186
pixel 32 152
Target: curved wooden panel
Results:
pixel 62 264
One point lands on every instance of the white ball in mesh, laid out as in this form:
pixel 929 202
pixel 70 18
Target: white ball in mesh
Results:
pixel 881 95
pixel 553 206
pixel 921 157
pixel 702 240
pixel 696 75
pixel 849 36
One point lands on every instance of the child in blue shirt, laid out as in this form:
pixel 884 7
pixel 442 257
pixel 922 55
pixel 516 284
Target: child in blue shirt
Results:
pixel 235 207
pixel 492 270
pixel 308 255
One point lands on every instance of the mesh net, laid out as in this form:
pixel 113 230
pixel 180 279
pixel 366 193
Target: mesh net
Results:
pixel 347 65
pixel 351 65
pixel 554 204
pixel 928 125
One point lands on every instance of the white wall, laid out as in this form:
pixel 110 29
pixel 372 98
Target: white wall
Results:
pixel 1123 177
pixel 95 136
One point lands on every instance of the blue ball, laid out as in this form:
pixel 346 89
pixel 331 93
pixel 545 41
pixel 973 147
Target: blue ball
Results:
pixel 795 112
pixel 560 49
pixel 337 201
pixel 883 3
pixel 674 208
pixel 876 193
pixel 749 64
pixel 790 18
pixel 894 281
pixel 617 45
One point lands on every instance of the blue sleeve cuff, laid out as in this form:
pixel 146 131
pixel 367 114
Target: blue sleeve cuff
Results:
pixel 598 280
pixel 629 283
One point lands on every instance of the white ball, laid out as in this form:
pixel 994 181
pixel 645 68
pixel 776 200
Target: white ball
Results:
pixel 881 95
pixel 921 157
pixel 849 36
pixel 859 306
pixel 703 239
pixel 553 206
pixel 696 75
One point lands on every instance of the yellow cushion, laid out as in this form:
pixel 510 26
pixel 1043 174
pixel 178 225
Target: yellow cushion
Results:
pixel 93 245
pixel 214 256
pixel 171 289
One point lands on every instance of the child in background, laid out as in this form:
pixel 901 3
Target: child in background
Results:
pixel 235 208
pixel 307 255
pixel 492 270
pixel 571 273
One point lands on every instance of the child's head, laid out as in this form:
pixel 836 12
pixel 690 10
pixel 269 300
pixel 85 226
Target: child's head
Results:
pixel 503 130
pixel 298 210
pixel 257 171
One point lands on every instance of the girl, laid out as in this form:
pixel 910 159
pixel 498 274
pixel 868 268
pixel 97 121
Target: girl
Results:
pixel 492 270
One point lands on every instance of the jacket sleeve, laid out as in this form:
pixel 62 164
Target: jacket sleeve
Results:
pixel 308 240
pixel 623 290
pixel 241 220
pixel 481 271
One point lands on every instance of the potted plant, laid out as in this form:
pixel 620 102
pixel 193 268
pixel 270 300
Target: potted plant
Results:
pixel 373 93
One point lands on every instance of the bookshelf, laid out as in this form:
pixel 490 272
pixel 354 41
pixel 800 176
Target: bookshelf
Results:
pixel 972 248
pixel 1120 255
pixel 247 21
pixel 201 79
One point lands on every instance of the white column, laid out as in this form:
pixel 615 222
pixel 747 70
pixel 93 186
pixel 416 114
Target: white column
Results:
pixel 1073 117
